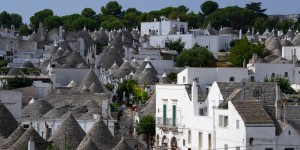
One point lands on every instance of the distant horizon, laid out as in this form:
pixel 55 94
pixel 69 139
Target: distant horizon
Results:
pixel 66 7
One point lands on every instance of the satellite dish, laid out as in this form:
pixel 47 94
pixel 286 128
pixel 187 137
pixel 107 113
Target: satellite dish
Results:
pixel 244 81
pixel 257 91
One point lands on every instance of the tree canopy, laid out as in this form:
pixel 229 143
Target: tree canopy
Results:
pixel 146 127
pixel 256 8
pixel 39 17
pixel 177 45
pixel 284 83
pixel 195 57
pixel 243 50
pixel 208 7
pixel 88 13
pixel 112 8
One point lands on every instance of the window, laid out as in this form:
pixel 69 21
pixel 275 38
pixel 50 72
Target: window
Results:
pixel 201 112
pixel 209 141
pixel 237 148
pixel 273 75
pixel 237 124
pixel 286 74
pixel 174 116
pixel 183 142
pixel 183 80
pixel 268 148
pixel 252 79
pixel 225 147
pixel 231 79
pixel 25 126
pixel 164 114
pixel 200 140
pixel 289 149
pixel 197 80
pixel 223 121
pixel 190 136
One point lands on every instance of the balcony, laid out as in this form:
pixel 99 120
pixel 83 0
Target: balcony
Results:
pixel 167 123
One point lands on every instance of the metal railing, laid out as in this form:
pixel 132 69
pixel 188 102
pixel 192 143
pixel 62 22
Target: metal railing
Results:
pixel 170 122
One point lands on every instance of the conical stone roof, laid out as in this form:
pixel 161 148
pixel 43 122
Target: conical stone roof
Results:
pixel 286 42
pixel 101 135
pixel 114 66
pixel 110 57
pixel 36 109
pixel 164 79
pixel 27 64
pixel 84 89
pixel 57 112
pixel 148 76
pixel 268 40
pixel 124 69
pixel 150 108
pixel 274 44
pixel 70 131
pixel 296 40
pixel 22 142
pixel 15 72
pixel 13 137
pixel 91 78
pixel 72 84
pixel 290 34
pixel 8 123
pixel 122 145
pixel 134 63
pixel 58 53
pixel 141 69
pixel 103 38
pixel 87 145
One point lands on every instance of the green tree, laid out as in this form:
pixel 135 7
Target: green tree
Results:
pixel 243 50
pixel 19 82
pixel 285 24
pixel 177 45
pixel 208 7
pixel 68 21
pixel 16 20
pixel 112 8
pixel 239 18
pixel 146 128
pixel 5 19
pixel 283 83
pixel 23 30
pixel 256 8
pixel 88 13
pixel 80 22
pixel 195 57
pixel 51 22
pixel 111 22
pixel 39 17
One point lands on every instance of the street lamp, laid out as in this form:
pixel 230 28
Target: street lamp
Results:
pixel 230 22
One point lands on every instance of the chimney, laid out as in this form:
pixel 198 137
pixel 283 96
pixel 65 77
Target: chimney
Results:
pixel 254 58
pixel 60 33
pixel 155 19
pixel 285 110
pixel 277 103
pixel 244 63
pixel 252 31
pixel 105 109
pixel 240 34
pixel 294 57
pixel 147 89
pixel 31 144
pixel 194 91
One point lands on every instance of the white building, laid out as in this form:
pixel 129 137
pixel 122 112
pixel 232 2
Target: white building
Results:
pixel 163 26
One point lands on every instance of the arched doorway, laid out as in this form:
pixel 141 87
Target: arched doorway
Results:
pixel 173 143
pixel 164 143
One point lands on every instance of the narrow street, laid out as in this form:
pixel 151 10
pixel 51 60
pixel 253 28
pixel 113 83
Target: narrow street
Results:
pixel 125 123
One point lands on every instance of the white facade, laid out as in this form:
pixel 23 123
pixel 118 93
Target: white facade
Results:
pixel 12 100
pixel 206 76
pixel 289 51
pixel 164 26
pixel 213 43
pixel 262 70
pixel 185 125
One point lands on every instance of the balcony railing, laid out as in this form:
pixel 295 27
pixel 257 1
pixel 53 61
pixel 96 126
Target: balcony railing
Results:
pixel 168 122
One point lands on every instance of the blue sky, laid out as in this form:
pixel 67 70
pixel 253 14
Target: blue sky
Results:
pixel 27 8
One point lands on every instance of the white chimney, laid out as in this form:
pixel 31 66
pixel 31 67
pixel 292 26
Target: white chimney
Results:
pixel 60 33
pixel 240 34
pixel 194 91
pixel 31 144
pixel 277 103
pixel 105 109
